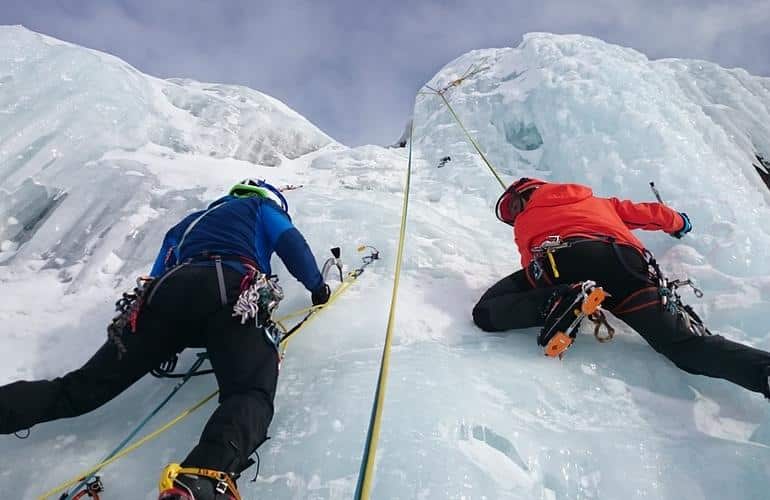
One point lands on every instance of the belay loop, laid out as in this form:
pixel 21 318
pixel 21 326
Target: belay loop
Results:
pixel 128 308
pixel 260 296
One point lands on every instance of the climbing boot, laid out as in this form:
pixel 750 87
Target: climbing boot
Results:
pixel 194 483
pixel 564 312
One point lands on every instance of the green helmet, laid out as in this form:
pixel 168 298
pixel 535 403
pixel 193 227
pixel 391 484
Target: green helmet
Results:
pixel 258 187
pixel 248 187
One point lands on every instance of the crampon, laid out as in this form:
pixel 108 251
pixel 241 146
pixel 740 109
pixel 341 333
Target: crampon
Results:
pixel 194 483
pixel 566 311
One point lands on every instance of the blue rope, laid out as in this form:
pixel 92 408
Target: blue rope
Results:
pixel 201 358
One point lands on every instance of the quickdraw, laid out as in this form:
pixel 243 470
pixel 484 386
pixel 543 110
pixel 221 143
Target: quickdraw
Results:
pixel 260 296
pixel 547 249
pixel 128 308
pixel 672 302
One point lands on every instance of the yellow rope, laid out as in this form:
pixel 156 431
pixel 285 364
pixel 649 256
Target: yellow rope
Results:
pixel 349 279
pixel 129 449
pixel 366 478
pixel 441 93
pixel 471 139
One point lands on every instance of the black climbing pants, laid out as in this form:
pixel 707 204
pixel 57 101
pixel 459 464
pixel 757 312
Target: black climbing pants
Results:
pixel 514 302
pixel 183 308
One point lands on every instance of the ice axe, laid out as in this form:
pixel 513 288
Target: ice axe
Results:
pixel 335 261
pixel 656 193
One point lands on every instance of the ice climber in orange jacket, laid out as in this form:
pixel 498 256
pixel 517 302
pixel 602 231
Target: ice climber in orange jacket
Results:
pixel 571 243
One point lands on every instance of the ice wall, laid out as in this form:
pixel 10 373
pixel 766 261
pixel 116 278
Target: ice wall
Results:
pixel 467 414
pixel 63 107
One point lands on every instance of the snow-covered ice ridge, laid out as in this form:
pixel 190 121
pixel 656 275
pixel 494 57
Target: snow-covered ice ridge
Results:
pixel 63 107
pixel 97 160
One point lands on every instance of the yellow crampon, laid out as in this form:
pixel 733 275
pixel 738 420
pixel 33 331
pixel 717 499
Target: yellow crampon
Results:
pixel 224 481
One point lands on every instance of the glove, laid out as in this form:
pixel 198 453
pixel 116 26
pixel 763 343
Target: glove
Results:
pixel 685 229
pixel 321 295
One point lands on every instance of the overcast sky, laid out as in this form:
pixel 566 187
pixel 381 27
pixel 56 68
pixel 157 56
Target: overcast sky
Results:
pixel 353 67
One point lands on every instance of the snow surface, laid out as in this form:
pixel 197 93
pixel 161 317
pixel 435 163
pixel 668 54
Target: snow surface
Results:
pixel 97 160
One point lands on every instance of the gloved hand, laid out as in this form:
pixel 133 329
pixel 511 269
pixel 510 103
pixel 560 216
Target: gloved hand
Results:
pixel 321 295
pixel 685 229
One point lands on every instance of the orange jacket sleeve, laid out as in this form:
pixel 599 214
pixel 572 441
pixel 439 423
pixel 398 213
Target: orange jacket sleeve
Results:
pixel 648 216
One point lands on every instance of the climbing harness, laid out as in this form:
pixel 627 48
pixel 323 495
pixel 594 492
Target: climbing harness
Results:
pixel 224 482
pixel 667 290
pixel 546 249
pixel 671 301
pixel 275 329
pixel 128 308
pixel 667 293
pixel 545 252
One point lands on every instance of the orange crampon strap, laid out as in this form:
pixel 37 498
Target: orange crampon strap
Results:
pixel 558 344
pixel 591 309
pixel 224 481
pixel 594 300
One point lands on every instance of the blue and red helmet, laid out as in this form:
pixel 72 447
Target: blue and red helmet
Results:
pixel 511 202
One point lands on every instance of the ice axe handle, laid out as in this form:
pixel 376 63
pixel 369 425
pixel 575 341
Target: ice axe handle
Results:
pixel 656 193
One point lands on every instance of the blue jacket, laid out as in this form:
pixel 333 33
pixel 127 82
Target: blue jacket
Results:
pixel 250 227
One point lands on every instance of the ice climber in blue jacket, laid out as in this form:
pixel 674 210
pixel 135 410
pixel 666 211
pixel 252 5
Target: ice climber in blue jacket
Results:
pixel 211 288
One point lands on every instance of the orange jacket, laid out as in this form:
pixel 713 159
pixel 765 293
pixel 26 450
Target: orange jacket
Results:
pixel 570 210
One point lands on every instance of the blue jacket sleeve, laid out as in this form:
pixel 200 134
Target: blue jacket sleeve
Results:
pixel 291 247
pixel 296 254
